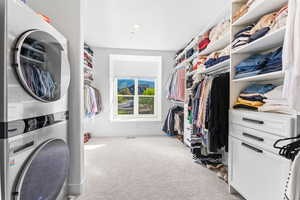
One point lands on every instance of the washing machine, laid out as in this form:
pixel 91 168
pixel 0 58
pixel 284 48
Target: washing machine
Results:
pixel 34 81
pixel 37 159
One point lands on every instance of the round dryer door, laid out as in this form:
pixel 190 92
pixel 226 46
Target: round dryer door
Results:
pixel 45 173
pixel 42 65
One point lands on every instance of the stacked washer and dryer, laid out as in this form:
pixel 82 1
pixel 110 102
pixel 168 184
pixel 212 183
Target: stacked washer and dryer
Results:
pixel 34 81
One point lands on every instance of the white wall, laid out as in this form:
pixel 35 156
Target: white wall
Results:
pixel 101 124
pixel 67 17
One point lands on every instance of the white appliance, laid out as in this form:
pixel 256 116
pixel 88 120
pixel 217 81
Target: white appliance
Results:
pixel 36 160
pixel 34 81
pixel 32 46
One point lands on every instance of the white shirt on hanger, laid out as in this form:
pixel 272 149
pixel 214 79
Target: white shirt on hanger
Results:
pixel 291 58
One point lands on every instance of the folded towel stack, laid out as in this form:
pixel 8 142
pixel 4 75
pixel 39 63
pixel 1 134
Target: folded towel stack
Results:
pixel 274 102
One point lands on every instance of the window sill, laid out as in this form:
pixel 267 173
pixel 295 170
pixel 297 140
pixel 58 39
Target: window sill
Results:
pixel 136 120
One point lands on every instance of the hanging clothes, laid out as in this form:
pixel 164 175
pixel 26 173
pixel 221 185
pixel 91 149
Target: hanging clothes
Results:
pixel 209 109
pixel 176 85
pixel 92 101
pixel 291 59
pixel 174 121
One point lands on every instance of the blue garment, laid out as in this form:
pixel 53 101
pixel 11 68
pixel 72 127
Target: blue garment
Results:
pixel 39 81
pixel 260 64
pixel 49 84
pixel 253 63
pixel 258 88
pixel 260 33
pixel 213 61
pixel 242 31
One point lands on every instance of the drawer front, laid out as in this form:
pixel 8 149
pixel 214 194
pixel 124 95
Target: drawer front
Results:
pixel 262 139
pixel 255 173
pixel 273 123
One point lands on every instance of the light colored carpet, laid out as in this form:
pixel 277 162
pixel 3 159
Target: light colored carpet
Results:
pixel 147 168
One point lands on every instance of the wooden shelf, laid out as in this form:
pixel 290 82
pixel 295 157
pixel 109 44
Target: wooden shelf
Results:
pixel 264 7
pixel 269 41
pixel 217 45
pixel 262 77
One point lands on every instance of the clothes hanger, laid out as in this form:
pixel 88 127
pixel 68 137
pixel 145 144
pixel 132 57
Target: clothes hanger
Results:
pixel 288 151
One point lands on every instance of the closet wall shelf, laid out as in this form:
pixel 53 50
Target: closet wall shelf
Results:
pixel 260 9
pixel 262 77
pixel 217 45
pixel 177 102
pixel 219 67
pixel 267 42
pixel 187 60
pixel 192 43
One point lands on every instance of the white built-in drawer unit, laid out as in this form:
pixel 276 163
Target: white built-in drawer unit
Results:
pixel 259 138
pixel 276 124
pixel 256 173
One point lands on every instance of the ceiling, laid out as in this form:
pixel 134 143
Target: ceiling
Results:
pixel 162 24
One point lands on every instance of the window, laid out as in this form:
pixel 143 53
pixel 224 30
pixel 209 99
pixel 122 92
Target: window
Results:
pixel 136 97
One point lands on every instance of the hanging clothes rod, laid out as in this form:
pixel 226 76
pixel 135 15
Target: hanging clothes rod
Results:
pixel 177 102
pixel 180 66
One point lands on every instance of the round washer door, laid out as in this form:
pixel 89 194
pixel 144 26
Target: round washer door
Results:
pixel 42 65
pixel 45 173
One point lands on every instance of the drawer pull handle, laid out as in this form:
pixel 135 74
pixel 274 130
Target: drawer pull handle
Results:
pixel 253 120
pixel 12 130
pixel 253 137
pixel 252 148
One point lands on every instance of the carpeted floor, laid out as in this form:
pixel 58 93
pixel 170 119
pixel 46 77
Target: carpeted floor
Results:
pixel 147 168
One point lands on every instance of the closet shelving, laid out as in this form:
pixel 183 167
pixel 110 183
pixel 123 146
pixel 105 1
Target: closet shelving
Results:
pixel 223 66
pixel 89 87
pixel 264 127
pixel 217 45
pixel 262 77
pixel 269 41
pixel 262 45
pixel 260 8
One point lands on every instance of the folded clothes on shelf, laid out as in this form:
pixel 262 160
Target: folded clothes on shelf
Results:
pixel 260 64
pixel 263 98
pixel 268 23
pixel 252 97
pixel 244 9
pixel 217 57
pixel 242 37
pixel 274 102
pixel 203 42
pixel 280 19
pixel 219 31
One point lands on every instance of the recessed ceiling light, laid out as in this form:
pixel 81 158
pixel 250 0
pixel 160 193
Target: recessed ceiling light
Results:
pixel 136 27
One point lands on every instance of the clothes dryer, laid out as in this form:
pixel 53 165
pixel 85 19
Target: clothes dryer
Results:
pixel 36 67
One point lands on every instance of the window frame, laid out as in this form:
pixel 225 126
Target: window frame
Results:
pixel 135 117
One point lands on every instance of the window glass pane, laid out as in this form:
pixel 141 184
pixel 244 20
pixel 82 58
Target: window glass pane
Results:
pixel 146 87
pixel 146 105
pixel 125 87
pixel 125 105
